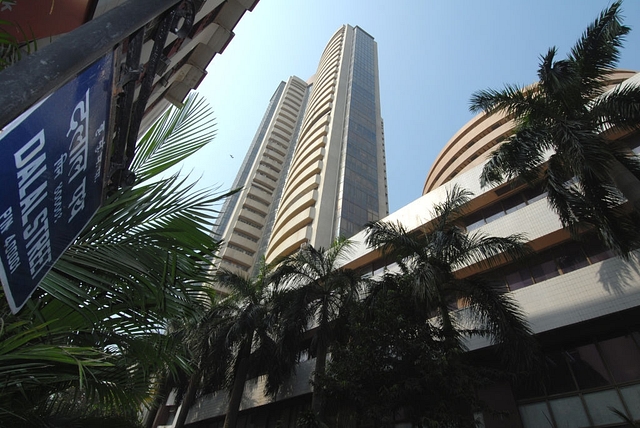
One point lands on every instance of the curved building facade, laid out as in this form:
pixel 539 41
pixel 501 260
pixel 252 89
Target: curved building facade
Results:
pixel 582 302
pixel 472 144
pixel 580 299
pixel 337 179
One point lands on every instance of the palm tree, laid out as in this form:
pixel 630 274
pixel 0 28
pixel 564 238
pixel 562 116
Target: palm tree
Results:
pixel 206 351
pixel 236 341
pixel 395 361
pixel 248 331
pixel 570 113
pixel 319 296
pixel 184 380
pixel 90 341
pixel 428 260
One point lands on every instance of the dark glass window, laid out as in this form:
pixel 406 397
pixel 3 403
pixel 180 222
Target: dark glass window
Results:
pixel 588 367
pixel 475 220
pixel 359 199
pixel 530 388
pixel 596 251
pixel 519 279
pixel 560 260
pixel 493 212
pixel 501 208
pixel 544 271
pixel 533 195
pixel 570 257
pixel 559 376
pixel 513 203
pixel 622 357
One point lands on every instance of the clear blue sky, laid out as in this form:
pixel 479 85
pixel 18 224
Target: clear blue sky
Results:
pixel 432 56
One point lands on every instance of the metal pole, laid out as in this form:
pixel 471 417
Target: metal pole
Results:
pixel 36 76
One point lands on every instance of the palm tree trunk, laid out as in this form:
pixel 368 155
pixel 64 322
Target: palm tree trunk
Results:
pixel 233 408
pixel 318 398
pixel 448 329
pixel 189 398
pixel 158 406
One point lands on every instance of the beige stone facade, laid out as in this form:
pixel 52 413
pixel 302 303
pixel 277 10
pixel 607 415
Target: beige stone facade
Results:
pixel 472 144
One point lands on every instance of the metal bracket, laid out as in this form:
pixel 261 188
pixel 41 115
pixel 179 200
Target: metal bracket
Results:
pixel 128 74
pixel 185 12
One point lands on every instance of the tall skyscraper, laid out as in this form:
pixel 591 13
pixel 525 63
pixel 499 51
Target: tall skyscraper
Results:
pixel 316 167
pixel 248 215
pixel 337 179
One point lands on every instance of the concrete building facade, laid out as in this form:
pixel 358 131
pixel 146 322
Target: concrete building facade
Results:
pixel 582 302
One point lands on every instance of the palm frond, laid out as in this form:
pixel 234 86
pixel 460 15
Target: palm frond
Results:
pixel 555 76
pixel 623 417
pixel 598 50
pixel 429 262
pixel 520 156
pixel 452 208
pixel 113 255
pixel 569 115
pixel 392 239
pixel 179 133
pixel 482 250
pixel 11 50
pixel 497 316
pixel 512 99
pixel 619 108
pixel 94 334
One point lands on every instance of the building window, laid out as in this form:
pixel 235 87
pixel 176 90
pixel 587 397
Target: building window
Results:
pixel 559 379
pixel 561 260
pixel 240 249
pixel 578 388
pixel 544 271
pixel 622 356
pixel 519 279
pixel 588 367
pixel 503 207
pixel 250 223
pixel 571 258
pixel 245 235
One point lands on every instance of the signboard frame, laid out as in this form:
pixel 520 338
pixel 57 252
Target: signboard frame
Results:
pixel 54 160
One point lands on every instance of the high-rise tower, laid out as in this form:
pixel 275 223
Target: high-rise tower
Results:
pixel 316 167
pixel 248 215
pixel 337 178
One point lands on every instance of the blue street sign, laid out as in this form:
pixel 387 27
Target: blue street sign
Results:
pixel 52 161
